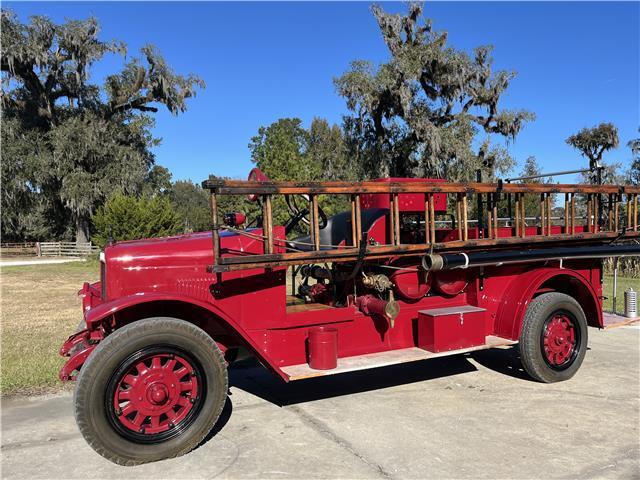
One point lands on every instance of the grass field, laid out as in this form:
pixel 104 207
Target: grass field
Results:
pixel 623 284
pixel 40 308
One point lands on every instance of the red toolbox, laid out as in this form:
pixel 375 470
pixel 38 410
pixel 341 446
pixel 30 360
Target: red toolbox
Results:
pixel 451 328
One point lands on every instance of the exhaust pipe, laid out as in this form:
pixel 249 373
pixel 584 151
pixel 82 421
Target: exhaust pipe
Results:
pixel 449 261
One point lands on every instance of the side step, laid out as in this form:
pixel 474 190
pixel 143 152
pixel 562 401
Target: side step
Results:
pixel 383 359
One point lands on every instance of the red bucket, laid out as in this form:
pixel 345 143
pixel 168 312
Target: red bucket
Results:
pixel 323 348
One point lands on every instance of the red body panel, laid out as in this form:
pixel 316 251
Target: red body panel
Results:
pixel 409 202
pixel 169 276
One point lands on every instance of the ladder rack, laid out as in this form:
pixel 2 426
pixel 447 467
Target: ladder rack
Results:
pixel 611 213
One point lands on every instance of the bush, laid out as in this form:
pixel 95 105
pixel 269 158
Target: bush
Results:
pixel 125 217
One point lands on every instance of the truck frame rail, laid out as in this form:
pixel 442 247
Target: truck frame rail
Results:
pixel 589 214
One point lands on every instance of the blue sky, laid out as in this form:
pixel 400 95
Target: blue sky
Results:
pixel 577 64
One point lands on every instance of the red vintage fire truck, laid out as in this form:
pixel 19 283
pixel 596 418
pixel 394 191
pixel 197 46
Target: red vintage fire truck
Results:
pixel 404 274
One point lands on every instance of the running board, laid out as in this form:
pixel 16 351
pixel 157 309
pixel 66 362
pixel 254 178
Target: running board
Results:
pixel 383 359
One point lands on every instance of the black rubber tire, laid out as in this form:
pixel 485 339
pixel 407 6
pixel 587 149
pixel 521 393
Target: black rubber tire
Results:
pixel 531 352
pixel 89 398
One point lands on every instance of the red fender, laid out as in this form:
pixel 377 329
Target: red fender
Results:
pixel 521 291
pixel 95 316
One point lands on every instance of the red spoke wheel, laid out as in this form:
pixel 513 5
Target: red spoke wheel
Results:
pixel 152 389
pixel 155 394
pixel 553 339
pixel 559 340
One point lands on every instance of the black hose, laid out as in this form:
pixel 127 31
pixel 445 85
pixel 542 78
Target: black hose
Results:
pixel 448 261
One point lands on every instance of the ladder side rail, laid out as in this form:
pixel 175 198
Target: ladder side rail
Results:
pixel 593 228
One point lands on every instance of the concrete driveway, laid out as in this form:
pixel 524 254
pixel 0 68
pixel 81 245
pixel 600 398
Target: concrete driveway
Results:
pixel 471 416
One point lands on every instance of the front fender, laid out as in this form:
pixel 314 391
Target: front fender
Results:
pixel 521 291
pixel 100 313
pixel 106 312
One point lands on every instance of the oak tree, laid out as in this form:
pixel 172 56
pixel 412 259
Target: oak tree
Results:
pixel 67 142
pixel 431 110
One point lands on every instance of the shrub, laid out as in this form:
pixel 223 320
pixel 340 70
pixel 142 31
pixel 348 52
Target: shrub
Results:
pixel 125 217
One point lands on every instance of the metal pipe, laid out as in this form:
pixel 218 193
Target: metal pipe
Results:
pixel 543 175
pixel 449 261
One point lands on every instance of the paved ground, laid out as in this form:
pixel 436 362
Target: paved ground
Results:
pixel 473 416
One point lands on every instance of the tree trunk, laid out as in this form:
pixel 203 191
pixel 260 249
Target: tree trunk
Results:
pixel 82 228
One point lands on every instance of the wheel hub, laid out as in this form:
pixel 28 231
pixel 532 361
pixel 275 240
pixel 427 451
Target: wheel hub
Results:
pixel 155 393
pixel 559 340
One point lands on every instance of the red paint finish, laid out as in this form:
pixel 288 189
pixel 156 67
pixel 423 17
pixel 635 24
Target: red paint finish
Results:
pixel 408 202
pixel 168 277
pixel 323 348
pixel 155 394
pixel 411 284
pixel 441 330
pixel 559 339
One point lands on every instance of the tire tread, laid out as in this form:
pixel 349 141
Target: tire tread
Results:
pixel 110 346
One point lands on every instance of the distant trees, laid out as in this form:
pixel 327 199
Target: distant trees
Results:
pixel 126 217
pixel 431 110
pixel 67 143
pixel 191 204
pixel 634 171
pixel 532 202
pixel 592 143
pixel 285 150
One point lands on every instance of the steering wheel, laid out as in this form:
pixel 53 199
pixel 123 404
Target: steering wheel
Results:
pixel 296 212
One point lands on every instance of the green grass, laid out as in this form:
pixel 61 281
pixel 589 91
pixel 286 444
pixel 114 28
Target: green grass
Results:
pixel 623 284
pixel 40 309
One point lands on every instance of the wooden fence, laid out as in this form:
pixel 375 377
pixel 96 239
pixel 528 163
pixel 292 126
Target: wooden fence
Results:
pixel 48 249
pixel 18 249
pixel 65 249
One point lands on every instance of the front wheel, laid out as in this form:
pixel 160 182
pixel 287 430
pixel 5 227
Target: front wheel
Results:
pixel 151 390
pixel 553 340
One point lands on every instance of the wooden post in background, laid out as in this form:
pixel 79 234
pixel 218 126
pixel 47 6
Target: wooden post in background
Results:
pixel 396 219
pixel 549 221
pixel 542 213
pixel 494 203
pixel 427 222
pixel 354 236
pixel 315 222
pixel 267 224
pixel 566 214
pixel 517 199
pixel 489 217
pixel 432 218
pixel 215 228
pixel 465 226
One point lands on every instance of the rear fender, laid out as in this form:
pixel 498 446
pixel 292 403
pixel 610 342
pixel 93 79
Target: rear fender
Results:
pixel 524 288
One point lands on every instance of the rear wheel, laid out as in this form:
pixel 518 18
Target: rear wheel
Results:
pixel 553 340
pixel 151 390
